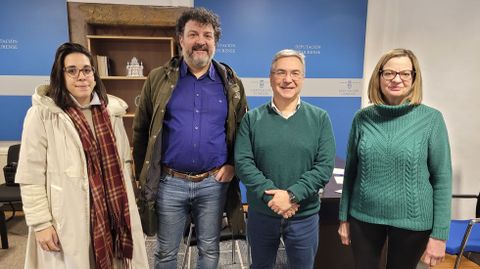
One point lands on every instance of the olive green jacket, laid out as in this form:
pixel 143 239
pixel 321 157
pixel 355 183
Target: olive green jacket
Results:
pixel 147 131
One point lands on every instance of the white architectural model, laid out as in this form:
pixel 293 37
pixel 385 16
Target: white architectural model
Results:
pixel 134 69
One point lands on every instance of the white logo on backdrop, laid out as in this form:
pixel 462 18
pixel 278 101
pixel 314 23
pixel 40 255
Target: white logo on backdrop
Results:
pixel 8 44
pixel 228 48
pixel 308 49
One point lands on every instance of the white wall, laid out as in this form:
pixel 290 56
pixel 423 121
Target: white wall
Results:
pixel 445 36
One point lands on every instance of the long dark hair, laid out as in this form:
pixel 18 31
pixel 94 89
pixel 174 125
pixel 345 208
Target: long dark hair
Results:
pixel 57 89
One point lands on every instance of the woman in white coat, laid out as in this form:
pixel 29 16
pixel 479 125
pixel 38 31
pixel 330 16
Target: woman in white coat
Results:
pixel 75 173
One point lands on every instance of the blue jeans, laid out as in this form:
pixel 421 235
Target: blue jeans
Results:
pixel 178 198
pixel 299 235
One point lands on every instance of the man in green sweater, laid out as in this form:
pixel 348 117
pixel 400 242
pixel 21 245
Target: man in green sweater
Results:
pixel 284 154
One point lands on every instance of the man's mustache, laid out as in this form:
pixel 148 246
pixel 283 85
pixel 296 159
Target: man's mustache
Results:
pixel 200 47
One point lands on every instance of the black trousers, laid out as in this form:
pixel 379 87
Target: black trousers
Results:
pixel 405 247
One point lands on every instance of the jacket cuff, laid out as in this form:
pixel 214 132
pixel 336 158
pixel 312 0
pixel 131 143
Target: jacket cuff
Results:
pixel 41 226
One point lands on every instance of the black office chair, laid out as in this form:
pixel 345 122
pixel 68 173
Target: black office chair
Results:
pixel 10 191
pixel 464 234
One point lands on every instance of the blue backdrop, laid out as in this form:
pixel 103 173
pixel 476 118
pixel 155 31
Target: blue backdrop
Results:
pixel 330 33
pixel 30 32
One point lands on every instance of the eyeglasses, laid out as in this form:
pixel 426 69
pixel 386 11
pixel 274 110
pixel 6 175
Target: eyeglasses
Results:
pixel 404 74
pixel 280 73
pixel 74 72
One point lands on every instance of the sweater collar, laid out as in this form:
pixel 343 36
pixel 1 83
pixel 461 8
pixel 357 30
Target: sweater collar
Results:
pixel 286 116
pixel 394 111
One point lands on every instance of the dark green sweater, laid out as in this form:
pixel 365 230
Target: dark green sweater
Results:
pixel 297 154
pixel 398 170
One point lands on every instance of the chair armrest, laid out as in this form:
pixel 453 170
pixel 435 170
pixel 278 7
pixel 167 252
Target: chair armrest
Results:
pixel 468 196
pixel 474 221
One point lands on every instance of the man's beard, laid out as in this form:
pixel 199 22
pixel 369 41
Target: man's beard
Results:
pixel 199 61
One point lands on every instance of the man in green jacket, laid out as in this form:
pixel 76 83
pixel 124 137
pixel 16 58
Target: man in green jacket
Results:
pixel 284 154
pixel 184 132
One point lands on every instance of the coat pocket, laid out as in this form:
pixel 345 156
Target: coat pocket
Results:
pixel 56 204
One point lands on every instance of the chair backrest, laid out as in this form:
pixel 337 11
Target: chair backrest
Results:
pixel 477 211
pixel 13 152
pixel 10 169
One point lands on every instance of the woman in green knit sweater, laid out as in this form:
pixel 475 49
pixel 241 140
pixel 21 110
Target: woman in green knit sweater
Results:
pixel 398 173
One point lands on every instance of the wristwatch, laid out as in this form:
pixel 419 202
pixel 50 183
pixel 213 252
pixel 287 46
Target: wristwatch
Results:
pixel 292 197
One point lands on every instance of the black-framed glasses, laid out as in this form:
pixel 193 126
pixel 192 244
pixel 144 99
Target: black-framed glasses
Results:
pixel 390 74
pixel 74 72
pixel 280 73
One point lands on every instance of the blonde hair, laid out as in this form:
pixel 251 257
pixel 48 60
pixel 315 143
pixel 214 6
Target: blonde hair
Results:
pixel 374 91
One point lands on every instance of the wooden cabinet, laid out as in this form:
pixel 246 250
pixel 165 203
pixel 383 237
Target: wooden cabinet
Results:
pixel 152 52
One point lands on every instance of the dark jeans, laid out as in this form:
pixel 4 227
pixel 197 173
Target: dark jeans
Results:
pixel 405 247
pixel 299 235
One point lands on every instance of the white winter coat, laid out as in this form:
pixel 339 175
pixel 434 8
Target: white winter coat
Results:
pixel 52 172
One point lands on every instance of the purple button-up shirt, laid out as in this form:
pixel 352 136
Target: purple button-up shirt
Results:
pixel 194 131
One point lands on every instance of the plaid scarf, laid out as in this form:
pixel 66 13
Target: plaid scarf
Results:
pixel 109 214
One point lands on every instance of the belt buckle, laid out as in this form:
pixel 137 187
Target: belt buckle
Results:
pixel 192 176
pixel 197 177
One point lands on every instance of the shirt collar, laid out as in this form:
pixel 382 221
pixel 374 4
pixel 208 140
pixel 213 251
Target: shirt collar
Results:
pixel 212 73
pixel 274 107
pixel 95 101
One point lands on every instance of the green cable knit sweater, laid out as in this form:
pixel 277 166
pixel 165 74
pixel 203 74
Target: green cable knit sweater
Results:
pixel 398 169
pixel 297 154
